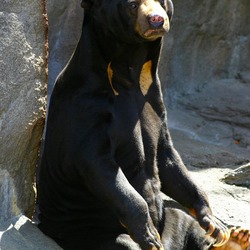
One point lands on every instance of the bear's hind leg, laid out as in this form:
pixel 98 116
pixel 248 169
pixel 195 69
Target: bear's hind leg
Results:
pixel 122 242
pixel 181 231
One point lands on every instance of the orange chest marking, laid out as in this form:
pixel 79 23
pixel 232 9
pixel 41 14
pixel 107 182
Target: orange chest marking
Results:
pixel 146 78
pixel 110 76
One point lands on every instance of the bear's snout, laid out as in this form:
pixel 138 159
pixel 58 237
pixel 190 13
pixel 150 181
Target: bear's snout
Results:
pixel 152 19
pixel 156 21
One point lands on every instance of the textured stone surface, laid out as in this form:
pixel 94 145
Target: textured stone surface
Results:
pixel 230 203
pixel 239 176
pixel 19 233
pixel 22 100
pixel 205 67
pixel 209 40
pixel 65 23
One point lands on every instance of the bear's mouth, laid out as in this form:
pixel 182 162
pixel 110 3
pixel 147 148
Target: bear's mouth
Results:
pixel 153 33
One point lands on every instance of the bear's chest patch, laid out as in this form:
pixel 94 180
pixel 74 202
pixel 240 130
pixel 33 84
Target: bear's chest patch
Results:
pixel 146 78
pixel 110 76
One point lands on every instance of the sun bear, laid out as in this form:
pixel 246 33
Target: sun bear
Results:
pixel 108 155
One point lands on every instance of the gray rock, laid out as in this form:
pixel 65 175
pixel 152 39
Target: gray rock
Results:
pixel 205 70
pixel 210 130
pixel 19 233
pixel 208 40
pixel 239 176
pixel 65 23
pixel 196 151
pixel 23 98
pixel 230 203
pixel 244 77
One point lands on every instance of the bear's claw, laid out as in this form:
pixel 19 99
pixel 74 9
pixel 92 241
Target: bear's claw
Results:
pixel 218 230
pixel 239 239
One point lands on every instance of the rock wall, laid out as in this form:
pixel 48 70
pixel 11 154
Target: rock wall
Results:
pixel 65 23
pixel 206 68
pixel 22 102
pixel 209 40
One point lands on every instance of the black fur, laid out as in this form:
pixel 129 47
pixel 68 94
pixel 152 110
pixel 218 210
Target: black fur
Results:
pixel 108 157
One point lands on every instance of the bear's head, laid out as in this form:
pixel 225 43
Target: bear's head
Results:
pixel 130 20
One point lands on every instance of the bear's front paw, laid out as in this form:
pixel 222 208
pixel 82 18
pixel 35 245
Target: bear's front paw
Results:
pixel 212 225
pixel 216 229
pixel 146 236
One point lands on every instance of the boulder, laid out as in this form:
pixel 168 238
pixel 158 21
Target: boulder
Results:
pixel 22 106
pixel 230 203
pixel 19 233
pixel 240 176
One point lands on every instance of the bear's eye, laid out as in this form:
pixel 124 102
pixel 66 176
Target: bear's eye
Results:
pixel 133 5
pixel 162 2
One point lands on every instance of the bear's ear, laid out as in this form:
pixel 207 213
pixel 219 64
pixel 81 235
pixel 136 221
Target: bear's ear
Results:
pixel 86 4
pixel 170 10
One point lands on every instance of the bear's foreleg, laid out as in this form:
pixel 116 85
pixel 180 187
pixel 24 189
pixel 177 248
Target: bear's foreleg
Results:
pixel 178 184
pixel 105 179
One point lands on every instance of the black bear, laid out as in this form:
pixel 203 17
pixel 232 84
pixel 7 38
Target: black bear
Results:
pixel 108 154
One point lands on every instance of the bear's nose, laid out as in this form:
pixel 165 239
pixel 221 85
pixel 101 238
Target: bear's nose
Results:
pixel 156 21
